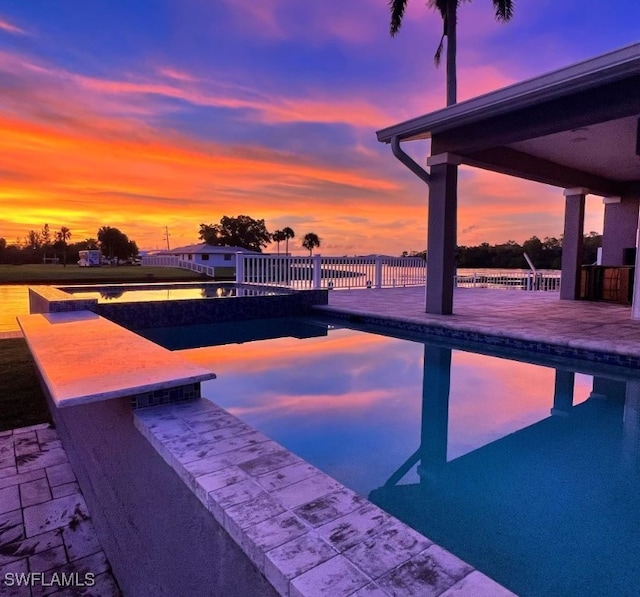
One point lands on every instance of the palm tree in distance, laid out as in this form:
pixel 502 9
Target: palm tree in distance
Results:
pixel 448 10
pixel 278 236
pixel 288 233
pixel 62 236
pixel 310 242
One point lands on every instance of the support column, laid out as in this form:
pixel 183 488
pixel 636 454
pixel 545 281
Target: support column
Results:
pixel 635 305
pixel 563 393
pixel 572 243
pixel 435 412
pixel 442 225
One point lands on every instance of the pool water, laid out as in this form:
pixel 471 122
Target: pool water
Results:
pixel 137 293
pixel 462 446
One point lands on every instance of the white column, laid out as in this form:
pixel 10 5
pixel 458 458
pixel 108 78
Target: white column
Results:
pixel 635 305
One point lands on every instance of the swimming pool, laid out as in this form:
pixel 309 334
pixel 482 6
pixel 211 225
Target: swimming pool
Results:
pixel 139 293
pixel 460 445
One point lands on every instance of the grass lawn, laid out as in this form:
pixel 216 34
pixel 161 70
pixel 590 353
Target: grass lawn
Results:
pixel 22 401
pixel 58 274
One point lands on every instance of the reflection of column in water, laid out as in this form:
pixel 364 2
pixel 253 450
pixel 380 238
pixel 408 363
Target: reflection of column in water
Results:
pixel 631 424
pixel 435 411
pixel 563 393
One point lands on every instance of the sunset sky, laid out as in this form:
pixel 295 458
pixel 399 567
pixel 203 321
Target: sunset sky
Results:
pixel 151 113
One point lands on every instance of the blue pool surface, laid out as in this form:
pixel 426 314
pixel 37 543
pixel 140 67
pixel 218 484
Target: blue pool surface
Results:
pixel 460 445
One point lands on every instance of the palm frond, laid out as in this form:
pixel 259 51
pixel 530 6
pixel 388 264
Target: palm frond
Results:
pixel 397 8
pixel 504 9
pixel 438 55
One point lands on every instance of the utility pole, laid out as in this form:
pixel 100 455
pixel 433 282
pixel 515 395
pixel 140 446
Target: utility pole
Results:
pixel 166 236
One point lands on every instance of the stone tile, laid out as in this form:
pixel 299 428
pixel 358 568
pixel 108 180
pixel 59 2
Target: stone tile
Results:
pixel 26 443
pixel 25 548
pixel 236 493
pixel 222 478
pixel 336 577
pixel 249 513
pixel 294 558
pixel 8 582
pixel 9 499
pixel 329 507
pixel 217 435
pixel 81 540
pixel 30 462
pixel 64 511
pixel 34 492
pixel 427 574
pixel 261 458
pixel 383 552
pixel 87 569
pixel 11 527
pixel 45 436
pixel 8 471
pixel 55 557
pixel 16 478
pixel 204 466
pixel 30 428
pixel 60 474
pixel 352 528
pixel 66 489
pixel 7 455
pixel 268 457
pixel 307 490
pixel 239 441
pixel 370 590
pixel 271 533
pixel 477 585
pixel 189 448
pixel 286 475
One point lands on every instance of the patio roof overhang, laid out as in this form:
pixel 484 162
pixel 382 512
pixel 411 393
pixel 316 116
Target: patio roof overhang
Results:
pixel 575 127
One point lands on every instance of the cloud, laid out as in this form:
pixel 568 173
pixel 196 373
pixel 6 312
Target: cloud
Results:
pixel 10 28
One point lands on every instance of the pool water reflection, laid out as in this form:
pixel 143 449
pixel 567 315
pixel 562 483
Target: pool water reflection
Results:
pixel 529 473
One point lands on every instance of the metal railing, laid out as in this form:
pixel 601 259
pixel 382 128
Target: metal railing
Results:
pixel 514 280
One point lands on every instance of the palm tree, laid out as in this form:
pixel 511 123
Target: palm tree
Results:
pixel 62 236
pixel 278 236
pixel 310 241
pixel 448 10
pixel 288 233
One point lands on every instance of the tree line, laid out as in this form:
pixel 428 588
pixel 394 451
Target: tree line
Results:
pixel 54 246
pixel 248 233
pixel 545 253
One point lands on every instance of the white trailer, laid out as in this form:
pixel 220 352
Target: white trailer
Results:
pixel 90 258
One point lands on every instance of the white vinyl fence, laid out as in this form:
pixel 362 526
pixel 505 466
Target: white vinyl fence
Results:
pixel 359 272
pixel 330 272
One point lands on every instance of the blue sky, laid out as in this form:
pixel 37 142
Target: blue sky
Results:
pixel 146 114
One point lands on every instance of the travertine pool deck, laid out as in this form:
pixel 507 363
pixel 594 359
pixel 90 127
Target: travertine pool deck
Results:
pixel 45 526
pixel 531 316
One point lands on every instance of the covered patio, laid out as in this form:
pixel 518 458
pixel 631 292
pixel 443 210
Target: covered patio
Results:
pixel 577 128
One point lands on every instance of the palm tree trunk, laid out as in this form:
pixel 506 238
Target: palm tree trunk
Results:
pixel 452 42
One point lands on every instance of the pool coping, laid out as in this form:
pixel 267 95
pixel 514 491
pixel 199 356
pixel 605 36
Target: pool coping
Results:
pixel 77 370
pixel 456 330
pixel 305 531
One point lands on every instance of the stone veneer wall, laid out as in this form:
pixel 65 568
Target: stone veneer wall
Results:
pixel 137 316
pixel 159 538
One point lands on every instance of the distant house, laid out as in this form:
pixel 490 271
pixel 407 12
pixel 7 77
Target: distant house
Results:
pixel 205 254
